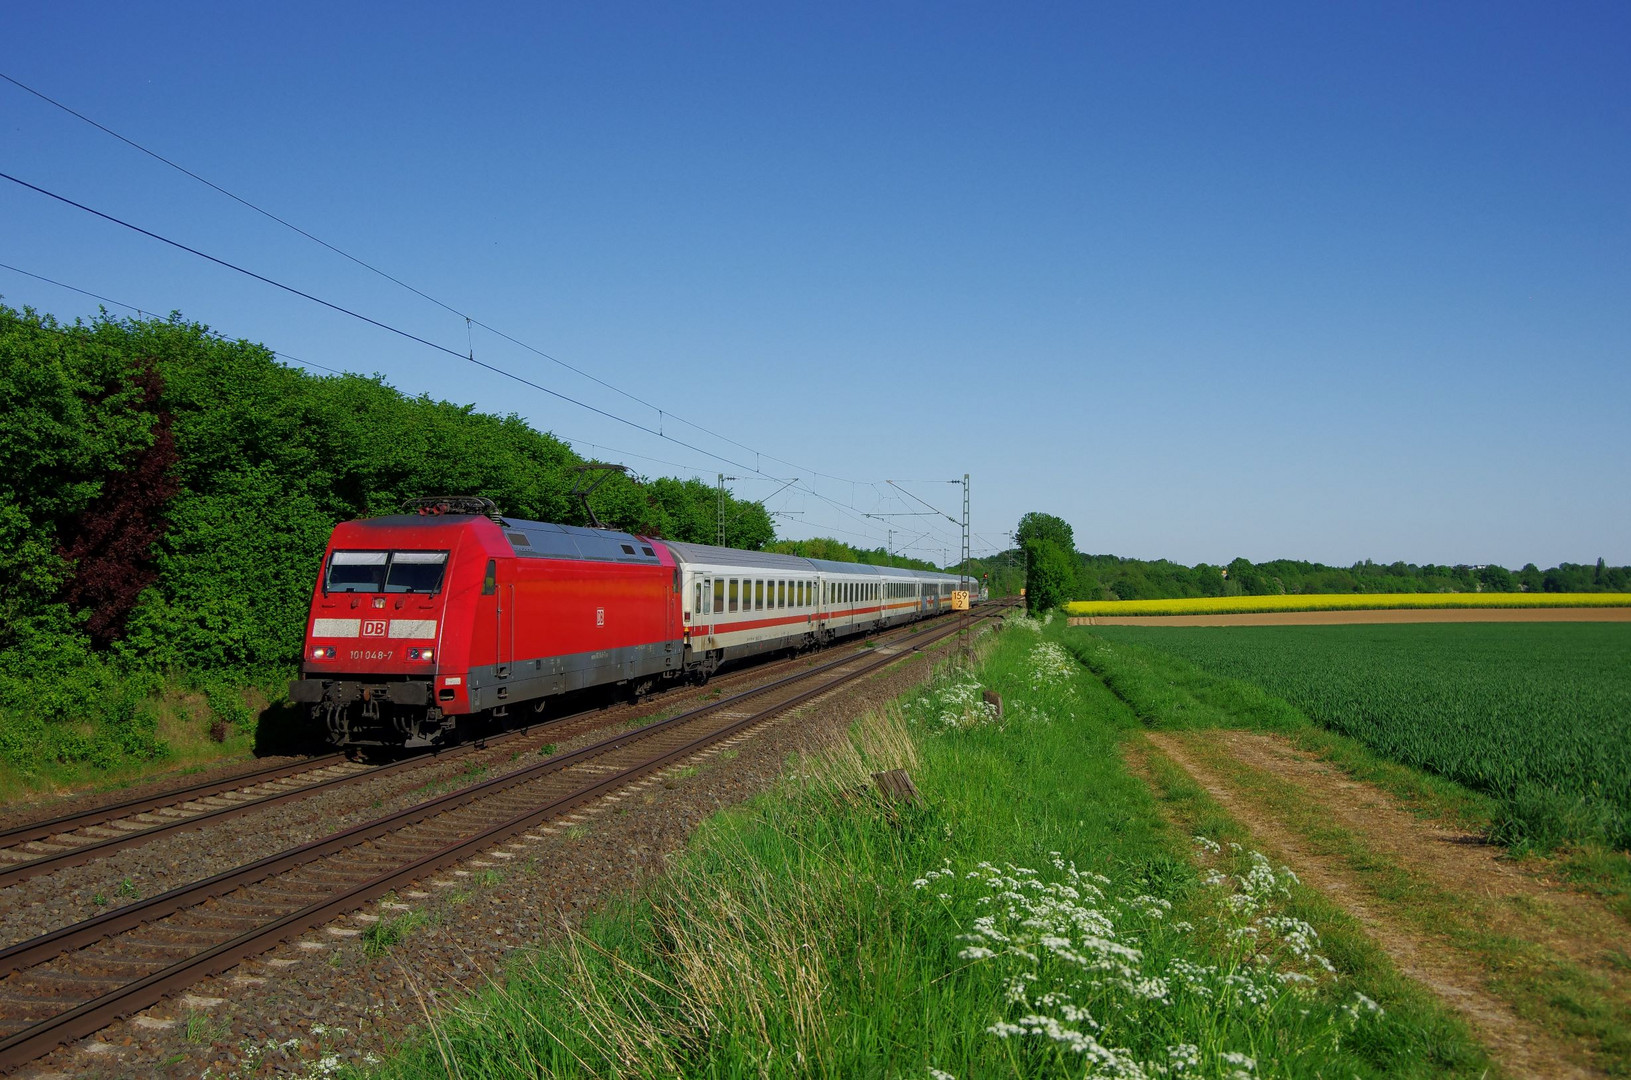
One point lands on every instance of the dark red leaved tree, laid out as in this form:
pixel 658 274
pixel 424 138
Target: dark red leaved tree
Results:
pixel 111 540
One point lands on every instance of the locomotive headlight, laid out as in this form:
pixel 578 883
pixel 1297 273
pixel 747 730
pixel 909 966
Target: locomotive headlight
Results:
pixel 421 654
pixel 323 652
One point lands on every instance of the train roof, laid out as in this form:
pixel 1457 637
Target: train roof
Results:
pixel 543 539
pixel 709 555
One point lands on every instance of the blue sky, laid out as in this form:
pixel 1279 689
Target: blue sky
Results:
pixel 1302 281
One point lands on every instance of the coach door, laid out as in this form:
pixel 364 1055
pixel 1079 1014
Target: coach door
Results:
pixel 504 614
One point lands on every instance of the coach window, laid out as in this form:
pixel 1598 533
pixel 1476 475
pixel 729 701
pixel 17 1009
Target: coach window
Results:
pixel 733 594
pixel 719 594
pixel 696 603
pixel 759 595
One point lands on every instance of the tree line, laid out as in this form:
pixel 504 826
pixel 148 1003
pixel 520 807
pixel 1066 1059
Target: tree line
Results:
pixel 1056 572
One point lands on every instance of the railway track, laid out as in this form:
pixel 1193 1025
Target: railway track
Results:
pixel 75 980
pixel 74 839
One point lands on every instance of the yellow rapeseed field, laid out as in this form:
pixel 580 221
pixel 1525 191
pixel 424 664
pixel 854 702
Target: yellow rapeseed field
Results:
pixel 1218 605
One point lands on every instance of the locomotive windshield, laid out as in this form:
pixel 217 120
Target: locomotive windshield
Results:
pixel 385 571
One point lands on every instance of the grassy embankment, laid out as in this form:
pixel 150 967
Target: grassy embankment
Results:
pixel 135 728
pixel 1223 605
pixel 1035 914
pixel 1528 714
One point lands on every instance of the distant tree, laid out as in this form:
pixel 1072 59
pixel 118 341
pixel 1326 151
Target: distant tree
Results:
pixel 1050 575
pixel 1038 526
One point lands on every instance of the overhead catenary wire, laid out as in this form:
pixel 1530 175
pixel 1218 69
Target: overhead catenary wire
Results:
pixel 470 320
pixel 148 311
pixel 467 317
pixel 423 341
pixel 222 337
pixel 343 310
pixel 582 442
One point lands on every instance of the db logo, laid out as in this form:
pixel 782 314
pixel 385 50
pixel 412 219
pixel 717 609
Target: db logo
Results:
pixel 374 628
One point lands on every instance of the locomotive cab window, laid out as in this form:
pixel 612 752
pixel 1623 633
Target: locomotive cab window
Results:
pixel 385 571
pixel 356 571
pixel 489 580
pixel 415 571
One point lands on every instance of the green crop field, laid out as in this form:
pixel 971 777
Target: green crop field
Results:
pixel 1537 714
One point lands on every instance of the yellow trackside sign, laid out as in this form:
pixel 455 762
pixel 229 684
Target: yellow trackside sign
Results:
pixel 959 600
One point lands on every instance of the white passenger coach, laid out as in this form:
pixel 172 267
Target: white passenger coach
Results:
pixel 739 603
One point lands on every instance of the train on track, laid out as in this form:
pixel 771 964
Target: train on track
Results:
pixel 427 625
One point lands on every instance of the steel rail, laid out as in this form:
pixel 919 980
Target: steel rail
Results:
pixel 101 815
pixel 31 1042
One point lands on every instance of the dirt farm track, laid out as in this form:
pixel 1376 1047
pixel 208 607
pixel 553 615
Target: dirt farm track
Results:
pixel 1341 618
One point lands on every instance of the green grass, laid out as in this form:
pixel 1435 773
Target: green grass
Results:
pixel 381 936
pixel 1532 714
pixel 118 732
pixel 825 930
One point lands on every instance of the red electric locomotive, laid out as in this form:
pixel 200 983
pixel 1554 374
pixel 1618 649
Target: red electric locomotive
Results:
pixel 421 618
